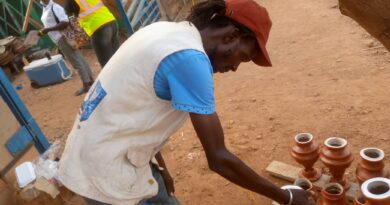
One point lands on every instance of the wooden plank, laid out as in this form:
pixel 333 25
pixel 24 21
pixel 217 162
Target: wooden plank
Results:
pixel 289 173
pixel 36 23
pixel 27 16
pixel 283 171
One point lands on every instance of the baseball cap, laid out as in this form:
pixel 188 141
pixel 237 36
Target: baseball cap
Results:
pixel 255 18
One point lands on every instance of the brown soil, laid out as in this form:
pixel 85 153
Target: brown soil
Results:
pixel 329 78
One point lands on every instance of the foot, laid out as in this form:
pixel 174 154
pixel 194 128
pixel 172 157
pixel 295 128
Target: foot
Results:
pixel 82 91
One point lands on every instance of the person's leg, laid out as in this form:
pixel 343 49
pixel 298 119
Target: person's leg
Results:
pixel 103 44
pixel 162 197
pixel 77 60
pixel 93 202
pixel 89 71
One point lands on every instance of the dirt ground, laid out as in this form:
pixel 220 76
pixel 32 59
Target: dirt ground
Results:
pixel 329 78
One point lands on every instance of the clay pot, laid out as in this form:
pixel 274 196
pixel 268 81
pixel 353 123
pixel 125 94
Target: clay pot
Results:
pixel 305 184
pixel 360 200
pixel 333 194
pixel 337 157
pixel 306 152
pixel 371 165
pixel 376 191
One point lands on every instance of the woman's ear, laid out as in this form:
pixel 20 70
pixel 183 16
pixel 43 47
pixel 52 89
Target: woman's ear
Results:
pixel 231 35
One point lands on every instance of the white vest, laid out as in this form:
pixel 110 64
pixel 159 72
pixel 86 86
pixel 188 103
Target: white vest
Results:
pixel 107 155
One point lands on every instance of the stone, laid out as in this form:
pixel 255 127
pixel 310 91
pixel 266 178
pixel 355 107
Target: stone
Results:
pixel 370 43
pixel 254 147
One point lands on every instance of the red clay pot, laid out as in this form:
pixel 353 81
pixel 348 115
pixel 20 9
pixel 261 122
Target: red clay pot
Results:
pixel 371 165
pixel 306 152
pixel 337 157
pixel 376 191
pixel 360 200
pixel 333 194
pixel 304 183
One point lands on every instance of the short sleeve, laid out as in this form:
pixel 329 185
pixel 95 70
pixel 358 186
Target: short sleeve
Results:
pixel 190 82
pixel 60 13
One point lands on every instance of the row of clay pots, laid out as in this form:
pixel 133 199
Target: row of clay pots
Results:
pixel 376 191
pixel 337 158
pixel 331 194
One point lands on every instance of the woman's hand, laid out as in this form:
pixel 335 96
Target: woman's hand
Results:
pixel 302 197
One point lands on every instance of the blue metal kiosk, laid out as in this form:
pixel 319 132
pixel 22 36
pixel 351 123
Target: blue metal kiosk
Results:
pixel 18 129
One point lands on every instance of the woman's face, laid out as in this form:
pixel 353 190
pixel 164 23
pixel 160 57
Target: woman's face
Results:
pixel 228 56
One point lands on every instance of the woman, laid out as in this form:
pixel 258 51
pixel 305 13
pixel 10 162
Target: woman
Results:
pixel 159 77
pixel 54 20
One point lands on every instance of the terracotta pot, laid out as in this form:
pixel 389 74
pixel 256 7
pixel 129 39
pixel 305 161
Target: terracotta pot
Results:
pixel 333 194
pixel 376 191
pixel 306 152
pixel 359 200
pixel 305 184
pixel 371 165
pixel 337 157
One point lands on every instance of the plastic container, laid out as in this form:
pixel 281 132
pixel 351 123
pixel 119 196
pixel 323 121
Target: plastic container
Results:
pixel 47 71
pixel 25 174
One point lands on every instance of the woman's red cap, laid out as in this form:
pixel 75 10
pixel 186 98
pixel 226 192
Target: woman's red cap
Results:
pixel 255 18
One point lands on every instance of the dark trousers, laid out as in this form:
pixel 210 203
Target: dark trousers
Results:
pixel 105 41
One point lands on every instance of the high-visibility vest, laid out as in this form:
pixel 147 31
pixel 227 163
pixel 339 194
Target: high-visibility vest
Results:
pixel 93 14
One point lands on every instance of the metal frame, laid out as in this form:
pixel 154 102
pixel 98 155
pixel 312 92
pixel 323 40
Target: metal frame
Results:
pixel 139 14
pixel 29 127
pixel 13 14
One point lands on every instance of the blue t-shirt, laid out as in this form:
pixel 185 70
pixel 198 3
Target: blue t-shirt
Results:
pixel 186 79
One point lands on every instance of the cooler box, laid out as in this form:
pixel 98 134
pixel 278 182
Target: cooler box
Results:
pixel 47 71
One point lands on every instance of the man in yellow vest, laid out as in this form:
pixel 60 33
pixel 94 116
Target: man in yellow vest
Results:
pixel 100 24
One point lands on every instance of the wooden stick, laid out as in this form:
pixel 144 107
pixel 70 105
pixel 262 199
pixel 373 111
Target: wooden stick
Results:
pixel 27 16
pixel 36 23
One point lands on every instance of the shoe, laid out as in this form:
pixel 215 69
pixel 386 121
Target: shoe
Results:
pixel 81 91
pixel 84 89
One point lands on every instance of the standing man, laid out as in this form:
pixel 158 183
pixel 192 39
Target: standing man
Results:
pixel 54 20
pixel 147 92
pixel 99 23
